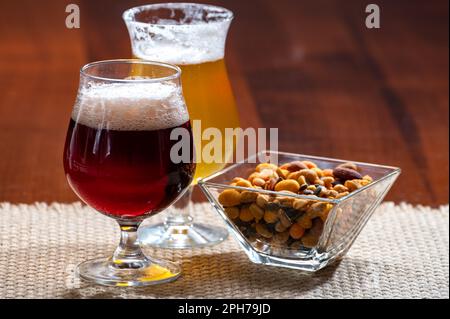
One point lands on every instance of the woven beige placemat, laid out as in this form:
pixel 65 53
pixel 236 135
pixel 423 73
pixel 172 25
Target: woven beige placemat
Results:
pixel 403 252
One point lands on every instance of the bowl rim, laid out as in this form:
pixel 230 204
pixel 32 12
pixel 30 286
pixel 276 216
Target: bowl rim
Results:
pixel 205 182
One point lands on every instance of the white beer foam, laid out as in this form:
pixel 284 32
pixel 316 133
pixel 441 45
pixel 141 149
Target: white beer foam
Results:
pixel 138 106
pixel 197 41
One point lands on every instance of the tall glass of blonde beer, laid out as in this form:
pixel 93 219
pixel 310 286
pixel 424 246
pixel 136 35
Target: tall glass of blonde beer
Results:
pixel 193 37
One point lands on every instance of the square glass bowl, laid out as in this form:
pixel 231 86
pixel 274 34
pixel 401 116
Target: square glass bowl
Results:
pixel 333 226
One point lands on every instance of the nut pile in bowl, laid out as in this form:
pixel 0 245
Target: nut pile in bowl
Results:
pixel 286 221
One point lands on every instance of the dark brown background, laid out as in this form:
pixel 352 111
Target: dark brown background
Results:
pixel 311 68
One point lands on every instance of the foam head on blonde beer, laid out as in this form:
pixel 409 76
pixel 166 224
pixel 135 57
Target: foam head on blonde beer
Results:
pixel 193 37
pixel 117 153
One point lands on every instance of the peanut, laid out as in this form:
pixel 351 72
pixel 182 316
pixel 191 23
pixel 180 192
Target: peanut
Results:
pixel 248 197
pixel 279 227
pixel 299 204
pixel 319 182
pixel 263 231
pixel 352 185
pixel 328 181
pixel 285 201
pixel 318 209
pixel 282 173
pixel 364 182
pixel 270 216
pixel 318 171
pixel 332 193
pixel 262 200
pixel 229 197
pixel 287 185
pixel 281 237
pixel 267 174
pixel 263 166
pixel 244 183
pixel 258 182
pixel 327 172
pixel 257 212
pixel 253 176
pixel 232 212
pixel 311 238
pixel 340 188
pixel 305 221
pixel 296 231
pixel 340 195
pixel 245 215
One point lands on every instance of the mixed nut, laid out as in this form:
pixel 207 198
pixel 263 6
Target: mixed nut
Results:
pixel 284 220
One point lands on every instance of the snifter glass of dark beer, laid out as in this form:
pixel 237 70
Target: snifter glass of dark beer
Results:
pixel 118 160
pixel 191 36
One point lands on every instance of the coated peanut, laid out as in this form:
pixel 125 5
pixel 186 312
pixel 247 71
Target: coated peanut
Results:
pixel 230 197
pixel 287 185
pixel 246 215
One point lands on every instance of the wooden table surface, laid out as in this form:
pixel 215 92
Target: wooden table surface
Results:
pixel 311 68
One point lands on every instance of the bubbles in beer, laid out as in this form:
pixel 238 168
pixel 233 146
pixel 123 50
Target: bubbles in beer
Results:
pixel 189 34
pixel 131 106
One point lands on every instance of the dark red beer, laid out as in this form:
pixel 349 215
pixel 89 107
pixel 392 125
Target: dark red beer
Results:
pixel 122 173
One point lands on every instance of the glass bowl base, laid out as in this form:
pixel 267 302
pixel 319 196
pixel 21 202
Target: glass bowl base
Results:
pixel 181 236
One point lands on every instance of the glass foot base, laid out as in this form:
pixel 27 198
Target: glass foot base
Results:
pixel 143 273
pixel 181 236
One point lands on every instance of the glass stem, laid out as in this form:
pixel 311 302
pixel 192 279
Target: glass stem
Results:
pixel 180 212
pixel 128 254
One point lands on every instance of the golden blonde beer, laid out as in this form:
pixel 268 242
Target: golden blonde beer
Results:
pixel 198 49
pixel 209 98
pixel 193 37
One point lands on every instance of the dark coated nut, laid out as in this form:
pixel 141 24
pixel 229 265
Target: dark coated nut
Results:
pixel 345 174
